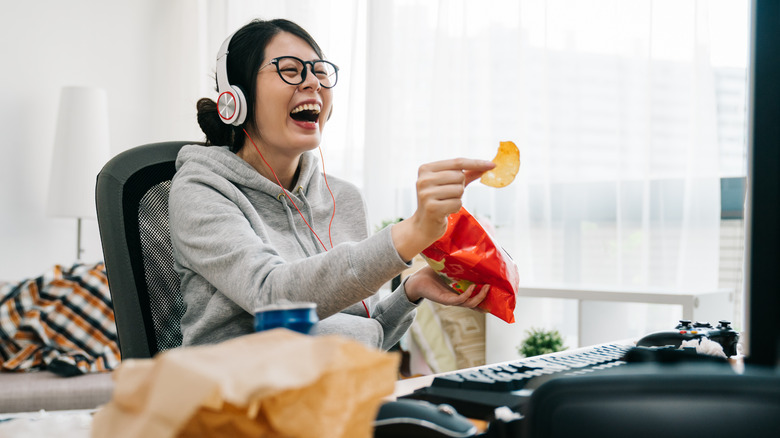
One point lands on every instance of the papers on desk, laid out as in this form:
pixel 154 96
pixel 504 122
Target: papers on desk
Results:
pixel 47 424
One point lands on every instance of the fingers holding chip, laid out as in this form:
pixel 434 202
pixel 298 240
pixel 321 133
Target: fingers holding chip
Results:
pixel 507 165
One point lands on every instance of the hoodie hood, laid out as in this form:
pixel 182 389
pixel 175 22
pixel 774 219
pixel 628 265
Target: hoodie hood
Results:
pixel 221 161
pixel 237 180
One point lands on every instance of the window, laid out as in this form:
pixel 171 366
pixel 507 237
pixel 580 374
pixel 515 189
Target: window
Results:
pixel 629 114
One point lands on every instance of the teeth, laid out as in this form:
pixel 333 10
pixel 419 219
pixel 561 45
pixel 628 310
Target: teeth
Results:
pixel 306 107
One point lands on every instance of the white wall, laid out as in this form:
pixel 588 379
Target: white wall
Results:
pixel 143 52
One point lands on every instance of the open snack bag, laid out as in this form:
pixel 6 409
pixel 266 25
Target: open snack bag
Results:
pixel 466 255
pixel 276 383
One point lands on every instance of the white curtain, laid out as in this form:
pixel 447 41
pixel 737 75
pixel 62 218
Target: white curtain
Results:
pixel 614 104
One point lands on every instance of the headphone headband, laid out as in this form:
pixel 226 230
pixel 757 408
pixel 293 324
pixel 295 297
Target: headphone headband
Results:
pixel 231 103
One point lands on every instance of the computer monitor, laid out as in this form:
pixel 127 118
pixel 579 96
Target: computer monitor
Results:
pixel 762 246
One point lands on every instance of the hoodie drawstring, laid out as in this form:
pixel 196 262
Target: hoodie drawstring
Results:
pixel 291 221
pixel 309 214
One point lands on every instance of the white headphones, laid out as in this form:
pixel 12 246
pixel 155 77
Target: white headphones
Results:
pixel 231 103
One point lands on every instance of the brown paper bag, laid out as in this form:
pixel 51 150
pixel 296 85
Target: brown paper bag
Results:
pixel 270 384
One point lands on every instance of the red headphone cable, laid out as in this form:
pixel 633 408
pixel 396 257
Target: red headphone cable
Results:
pixel 324 175
pixel 368 314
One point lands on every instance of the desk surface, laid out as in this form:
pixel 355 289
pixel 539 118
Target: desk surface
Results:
pixel 77 423
pixel 44 424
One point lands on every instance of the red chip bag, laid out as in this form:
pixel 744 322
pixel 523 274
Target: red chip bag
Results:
pixel 467 255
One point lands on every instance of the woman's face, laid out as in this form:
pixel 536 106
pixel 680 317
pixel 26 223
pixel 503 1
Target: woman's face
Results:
pixel 282 126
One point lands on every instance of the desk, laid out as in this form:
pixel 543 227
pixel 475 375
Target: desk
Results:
pixel 47 424
pixel 76 424
pixel 709 305
pixel 693 302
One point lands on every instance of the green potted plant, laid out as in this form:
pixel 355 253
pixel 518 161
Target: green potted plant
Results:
pixel 541 341
pixel 387 222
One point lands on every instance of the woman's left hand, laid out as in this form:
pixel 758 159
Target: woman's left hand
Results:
pixel 426 283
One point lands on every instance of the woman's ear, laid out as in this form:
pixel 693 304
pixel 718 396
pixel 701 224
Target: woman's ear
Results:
pixel 330 113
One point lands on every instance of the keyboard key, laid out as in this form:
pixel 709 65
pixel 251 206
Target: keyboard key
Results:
pixel 448 381
pixel 482 382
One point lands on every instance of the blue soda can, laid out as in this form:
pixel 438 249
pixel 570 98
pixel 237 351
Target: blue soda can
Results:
pixel 299 317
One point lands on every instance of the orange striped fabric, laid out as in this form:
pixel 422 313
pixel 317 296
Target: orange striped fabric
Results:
pixel 62 321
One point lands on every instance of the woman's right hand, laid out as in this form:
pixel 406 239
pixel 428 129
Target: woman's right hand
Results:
pixel 440 186
pixel 426 283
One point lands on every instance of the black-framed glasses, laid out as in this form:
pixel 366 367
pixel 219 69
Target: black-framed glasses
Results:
pixel 293 70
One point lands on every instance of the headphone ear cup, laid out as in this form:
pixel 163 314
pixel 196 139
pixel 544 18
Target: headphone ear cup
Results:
pixel 241 106
pixel 231 105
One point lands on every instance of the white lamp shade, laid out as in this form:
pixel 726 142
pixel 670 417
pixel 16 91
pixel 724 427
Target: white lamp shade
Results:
pixel 81 148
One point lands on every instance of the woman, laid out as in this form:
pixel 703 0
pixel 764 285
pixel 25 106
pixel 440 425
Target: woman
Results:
pixel 241 241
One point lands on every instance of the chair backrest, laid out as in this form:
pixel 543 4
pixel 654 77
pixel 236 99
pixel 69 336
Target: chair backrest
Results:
pixel 132 210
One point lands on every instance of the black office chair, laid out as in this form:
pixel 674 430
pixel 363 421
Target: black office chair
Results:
pixel 132 210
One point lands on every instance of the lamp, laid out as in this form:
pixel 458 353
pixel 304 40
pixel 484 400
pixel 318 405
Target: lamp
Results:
pixel 81 148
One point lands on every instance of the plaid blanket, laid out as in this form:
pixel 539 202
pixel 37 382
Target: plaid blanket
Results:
pixel 62 321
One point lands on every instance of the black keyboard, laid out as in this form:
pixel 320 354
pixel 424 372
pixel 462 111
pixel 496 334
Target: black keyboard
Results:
pixel 477 392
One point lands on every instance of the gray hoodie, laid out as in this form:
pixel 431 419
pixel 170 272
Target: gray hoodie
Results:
pixel 238 244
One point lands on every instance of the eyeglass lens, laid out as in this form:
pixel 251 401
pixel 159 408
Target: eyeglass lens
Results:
pixel 293 71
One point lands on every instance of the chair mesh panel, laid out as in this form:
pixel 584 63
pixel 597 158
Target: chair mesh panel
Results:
pixel 162 282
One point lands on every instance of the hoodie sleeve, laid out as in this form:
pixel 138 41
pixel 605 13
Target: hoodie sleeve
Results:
pixel 395 314
pixel 218 234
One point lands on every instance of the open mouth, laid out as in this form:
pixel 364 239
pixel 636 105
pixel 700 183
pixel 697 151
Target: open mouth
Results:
pixel 306 113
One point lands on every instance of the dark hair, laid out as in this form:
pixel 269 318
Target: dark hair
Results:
pixel 247 52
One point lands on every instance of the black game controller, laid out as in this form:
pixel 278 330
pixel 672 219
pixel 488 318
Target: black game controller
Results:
pixel 723 334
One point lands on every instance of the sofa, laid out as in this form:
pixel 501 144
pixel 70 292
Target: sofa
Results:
pixel 58 342
pixel 45 390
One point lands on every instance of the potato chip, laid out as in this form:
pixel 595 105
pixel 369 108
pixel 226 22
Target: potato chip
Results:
pixel 507 164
